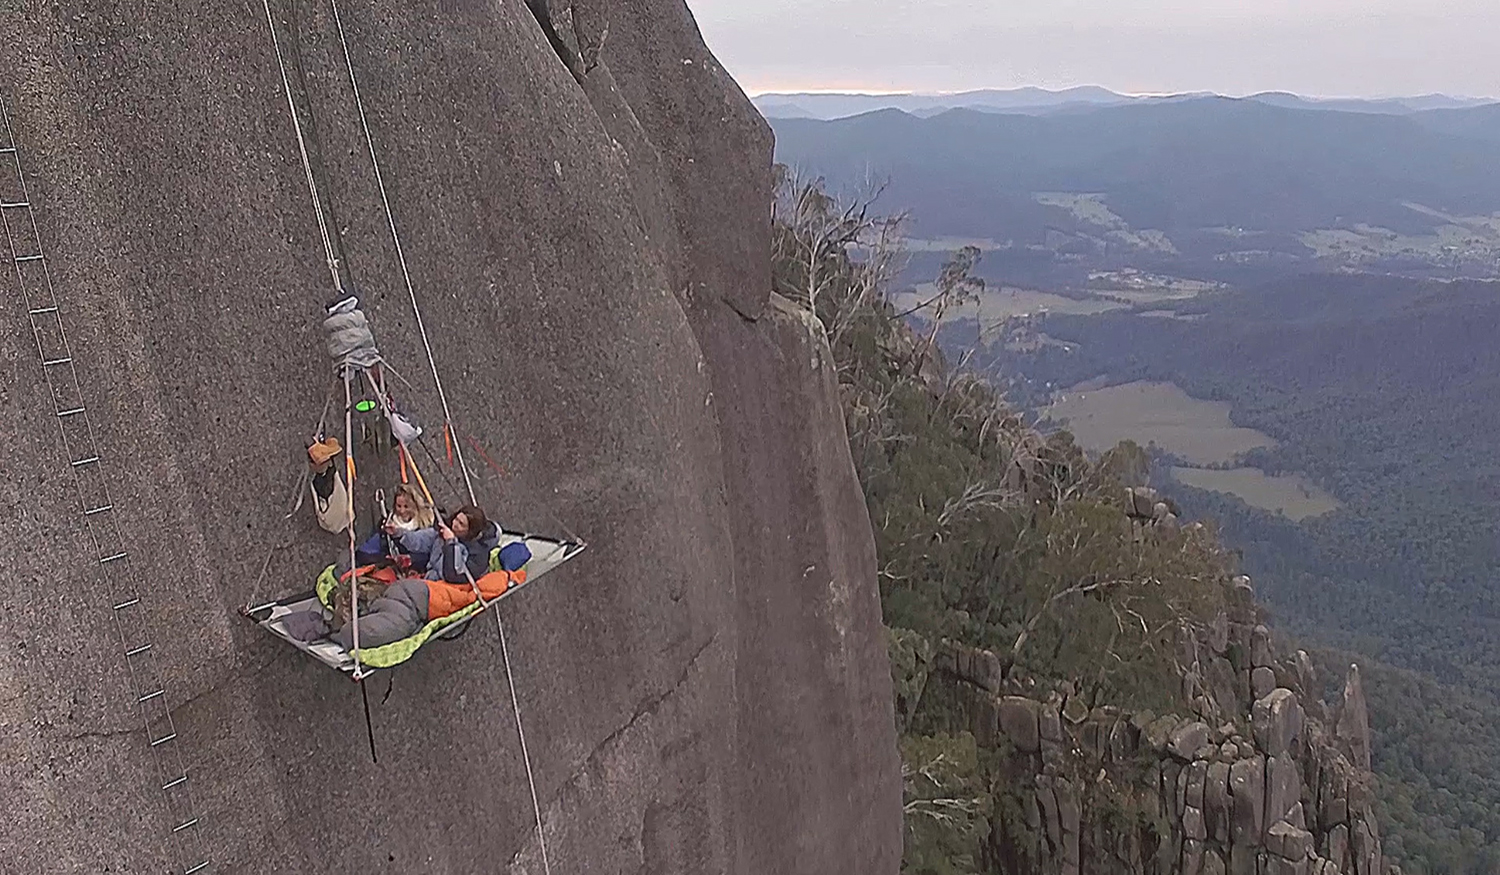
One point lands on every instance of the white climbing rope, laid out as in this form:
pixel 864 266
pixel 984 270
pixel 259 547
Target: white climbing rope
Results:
pixel 312 185
pixel 400 254
pixel 536 808
pixel 437 380
pixel 515 703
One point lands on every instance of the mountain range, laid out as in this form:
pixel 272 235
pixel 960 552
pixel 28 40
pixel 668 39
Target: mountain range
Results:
pixel 1031 100
pixel 1206 185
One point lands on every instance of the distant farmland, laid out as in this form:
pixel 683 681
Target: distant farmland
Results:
pixel 1287 493
pixel 1198 432
pixel 1195 431
pixel 998 304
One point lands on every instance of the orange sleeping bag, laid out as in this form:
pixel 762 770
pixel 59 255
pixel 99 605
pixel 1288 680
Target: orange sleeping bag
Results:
pixel 450 598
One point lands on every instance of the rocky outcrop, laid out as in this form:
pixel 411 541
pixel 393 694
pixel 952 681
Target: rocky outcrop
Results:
pixel 583 198
pixel 1353 727
pixel 1144 504
pixel 1250 782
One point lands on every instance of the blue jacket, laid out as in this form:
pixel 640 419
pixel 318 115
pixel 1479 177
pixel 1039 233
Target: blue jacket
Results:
pixel 446 560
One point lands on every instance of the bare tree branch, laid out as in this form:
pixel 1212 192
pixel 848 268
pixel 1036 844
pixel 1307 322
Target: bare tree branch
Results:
pixel 1077 589
pixel 975 496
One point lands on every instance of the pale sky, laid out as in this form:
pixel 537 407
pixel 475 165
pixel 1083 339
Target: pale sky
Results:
pixel 1329 48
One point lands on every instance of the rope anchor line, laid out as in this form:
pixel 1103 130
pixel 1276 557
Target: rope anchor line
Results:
pixel 427 346
pixel 390 217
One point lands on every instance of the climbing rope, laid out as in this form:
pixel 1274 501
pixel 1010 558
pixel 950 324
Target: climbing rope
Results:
pixel 312 185
pixel 536 808
pixel 364 694
pixel 396 239
pixel 431 361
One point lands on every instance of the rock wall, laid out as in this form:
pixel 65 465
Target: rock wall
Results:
pixel 583 197
pixel 1260 778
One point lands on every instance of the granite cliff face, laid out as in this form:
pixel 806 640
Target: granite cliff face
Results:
pixel 583 200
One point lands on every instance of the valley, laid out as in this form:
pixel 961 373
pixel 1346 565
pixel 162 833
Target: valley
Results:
pixel 1202 187
pixel 1293 308
pixel 996 305
pixel 1341 429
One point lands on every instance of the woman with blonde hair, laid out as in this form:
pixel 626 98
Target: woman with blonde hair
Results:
pixel 410 512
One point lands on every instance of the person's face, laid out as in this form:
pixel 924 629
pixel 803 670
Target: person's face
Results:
pixel 404 508
pixel 460 525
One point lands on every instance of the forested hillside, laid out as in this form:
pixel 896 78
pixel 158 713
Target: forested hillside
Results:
pixel 1070 662
pixel 1383 391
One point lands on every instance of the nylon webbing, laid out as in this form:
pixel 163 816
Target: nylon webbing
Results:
pixel 353 538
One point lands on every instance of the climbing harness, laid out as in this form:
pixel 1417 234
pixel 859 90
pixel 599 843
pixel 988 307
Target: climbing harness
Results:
pixel 354 349
pixel 79 441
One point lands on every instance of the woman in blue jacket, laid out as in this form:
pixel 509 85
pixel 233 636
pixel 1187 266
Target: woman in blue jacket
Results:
pixel 463 543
